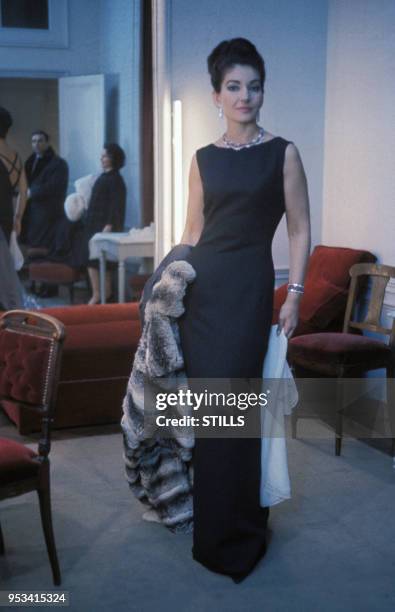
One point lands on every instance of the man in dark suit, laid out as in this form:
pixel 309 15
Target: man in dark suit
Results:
pixel 47 177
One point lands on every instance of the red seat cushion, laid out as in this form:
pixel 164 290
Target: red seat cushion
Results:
pixel 322 352
pixel 17 462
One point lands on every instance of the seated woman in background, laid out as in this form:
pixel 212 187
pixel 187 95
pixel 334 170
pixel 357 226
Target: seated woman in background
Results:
pixel 106 212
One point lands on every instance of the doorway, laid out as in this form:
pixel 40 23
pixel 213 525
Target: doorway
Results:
pixel 33 104
pixel 77 112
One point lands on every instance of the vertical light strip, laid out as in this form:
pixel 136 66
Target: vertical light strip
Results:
pixel 178 200
pixel 163 190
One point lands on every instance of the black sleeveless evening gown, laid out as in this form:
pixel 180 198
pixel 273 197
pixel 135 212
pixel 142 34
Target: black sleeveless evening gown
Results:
pixel 224 333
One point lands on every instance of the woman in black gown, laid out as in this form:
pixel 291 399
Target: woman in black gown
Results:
pixel 106 212
pixel 240 186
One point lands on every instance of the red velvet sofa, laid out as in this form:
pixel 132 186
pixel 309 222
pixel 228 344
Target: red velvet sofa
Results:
pixel 98 353
pixel 101 341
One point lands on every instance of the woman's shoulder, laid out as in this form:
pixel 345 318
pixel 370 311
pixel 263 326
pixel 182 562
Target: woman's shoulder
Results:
pixel 119 180
pixel 111 177
pixel 100 179
pixel 10 153
pixel 116 184
pixel 202 149
pixel 280 140
pixel 115 176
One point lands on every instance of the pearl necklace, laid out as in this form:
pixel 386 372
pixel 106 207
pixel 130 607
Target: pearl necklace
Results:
pixel 243 145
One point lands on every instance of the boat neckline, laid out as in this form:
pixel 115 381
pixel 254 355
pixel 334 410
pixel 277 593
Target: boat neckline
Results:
pixel 244 148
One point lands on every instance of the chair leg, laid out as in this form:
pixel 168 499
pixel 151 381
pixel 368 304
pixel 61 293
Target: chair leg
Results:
pixel 339 416
pixel 294 421
pixel 46 519
pixel 2 548
pixel 71 293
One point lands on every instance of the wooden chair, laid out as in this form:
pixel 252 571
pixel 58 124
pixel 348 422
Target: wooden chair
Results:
pixel 30 355
pixel 350 353
pixel 55 274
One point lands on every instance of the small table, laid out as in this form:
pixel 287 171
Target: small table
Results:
pixel 119 246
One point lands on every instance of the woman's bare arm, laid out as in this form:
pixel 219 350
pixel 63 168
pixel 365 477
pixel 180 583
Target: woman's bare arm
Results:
pixel 297 214
pixel 194 220
pixel 21 201
pixel 299 232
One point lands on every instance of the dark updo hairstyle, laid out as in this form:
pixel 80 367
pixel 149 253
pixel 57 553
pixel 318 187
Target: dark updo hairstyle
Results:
pixel 5 122
pixel 116 154
pixel 231 52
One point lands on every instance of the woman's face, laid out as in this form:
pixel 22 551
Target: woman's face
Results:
pixel 241 94
pixel 105 160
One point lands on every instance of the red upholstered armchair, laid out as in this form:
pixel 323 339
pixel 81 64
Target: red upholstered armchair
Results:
pixel 30 354
pixel 323 304
pixel 347 354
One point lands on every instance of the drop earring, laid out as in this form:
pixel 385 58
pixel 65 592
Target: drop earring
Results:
pixel 220 112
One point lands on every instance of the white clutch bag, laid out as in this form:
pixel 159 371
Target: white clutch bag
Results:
pixel 283 397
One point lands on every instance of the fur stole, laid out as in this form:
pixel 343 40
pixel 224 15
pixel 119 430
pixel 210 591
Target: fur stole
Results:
pixel 159 469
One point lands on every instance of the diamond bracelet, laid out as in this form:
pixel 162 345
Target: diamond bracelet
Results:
pixel 295 288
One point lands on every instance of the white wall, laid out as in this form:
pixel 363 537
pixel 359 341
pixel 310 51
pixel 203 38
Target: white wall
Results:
pixel 81 56
pixel 104 37
pixel 292 39
pixel 120 55
pixel 359 178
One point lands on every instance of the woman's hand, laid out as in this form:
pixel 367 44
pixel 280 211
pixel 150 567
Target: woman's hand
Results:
pixel 17 225
pixel 289 314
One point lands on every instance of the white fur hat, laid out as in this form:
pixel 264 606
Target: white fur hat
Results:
pixel 83 187
pixel 77 203
pixel 74 206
